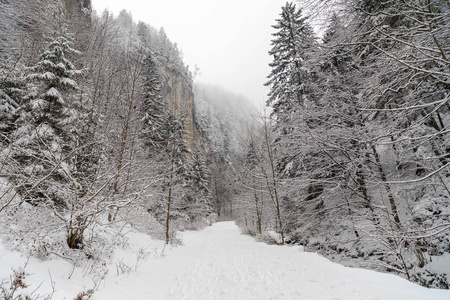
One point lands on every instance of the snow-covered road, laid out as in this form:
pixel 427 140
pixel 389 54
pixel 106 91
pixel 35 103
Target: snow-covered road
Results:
pixel 221 263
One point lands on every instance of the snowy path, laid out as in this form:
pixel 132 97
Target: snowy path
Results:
pixel 220 263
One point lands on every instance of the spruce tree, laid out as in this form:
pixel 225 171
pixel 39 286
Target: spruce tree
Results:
pixel 178 154
pixel 182 155
pixel 291 49
pixel 200 172
pixel 291 82
pixel 8 107
pixel 153 105
pixel 13 90
pixel 196 194
pixel 43 131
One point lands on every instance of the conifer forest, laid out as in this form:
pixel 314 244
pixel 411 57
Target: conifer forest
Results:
pixel 104 129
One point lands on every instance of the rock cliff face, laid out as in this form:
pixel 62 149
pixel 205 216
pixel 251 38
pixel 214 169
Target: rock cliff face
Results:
pixel 77 6
pixel 178 95
pixel 177 88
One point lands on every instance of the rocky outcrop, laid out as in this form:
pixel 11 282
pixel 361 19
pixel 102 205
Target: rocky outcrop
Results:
pixel 75 7
pixel 178 95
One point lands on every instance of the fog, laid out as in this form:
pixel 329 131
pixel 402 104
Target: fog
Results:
pixel 228 40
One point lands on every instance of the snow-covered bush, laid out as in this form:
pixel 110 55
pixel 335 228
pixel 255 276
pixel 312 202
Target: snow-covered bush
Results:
pixel 15 288
pixel 86 295
pixel 269 237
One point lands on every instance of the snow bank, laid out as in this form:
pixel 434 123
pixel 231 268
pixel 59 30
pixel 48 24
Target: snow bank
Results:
pixel 216 263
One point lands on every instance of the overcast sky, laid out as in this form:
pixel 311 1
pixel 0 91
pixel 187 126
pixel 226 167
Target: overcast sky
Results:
pixel 228 40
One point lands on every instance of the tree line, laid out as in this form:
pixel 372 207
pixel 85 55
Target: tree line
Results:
pixel 351 159
pixel 88 137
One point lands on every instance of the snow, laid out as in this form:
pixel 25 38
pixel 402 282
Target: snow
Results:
pixel 38 104
pixel 69 82
pixel 48 76
pixel 275 236
pixel 61 66
pixel 216 263
pixel 43 273
pixel 440 264
pixel 54 93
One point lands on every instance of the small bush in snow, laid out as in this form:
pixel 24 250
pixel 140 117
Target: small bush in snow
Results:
pixel 14 289
pixel 85 295
pixel 9 290
pixel 198 223
pixel 269 237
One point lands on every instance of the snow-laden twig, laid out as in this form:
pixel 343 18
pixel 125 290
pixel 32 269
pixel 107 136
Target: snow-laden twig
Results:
pixel 413 107
pixel 420 179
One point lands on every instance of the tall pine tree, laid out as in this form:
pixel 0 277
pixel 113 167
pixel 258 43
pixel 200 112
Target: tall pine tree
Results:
pixel 153 105
pixel 291 49
pixel 43 131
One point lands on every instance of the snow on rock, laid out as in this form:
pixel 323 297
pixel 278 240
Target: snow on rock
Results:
pixel 275 236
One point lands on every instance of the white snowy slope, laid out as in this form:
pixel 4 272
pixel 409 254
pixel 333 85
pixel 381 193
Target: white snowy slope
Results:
pixel 220 263
pixel 215 263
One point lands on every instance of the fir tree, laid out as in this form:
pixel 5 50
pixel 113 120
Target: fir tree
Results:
pixel 199 172
pixel 43 134
pixel 178 152
pixel 292 82
pixel 13 90
pixel 335 59
pixel 294 40
pixel 175 136
pixel 153 105
pixel 8 107
pixel 199 199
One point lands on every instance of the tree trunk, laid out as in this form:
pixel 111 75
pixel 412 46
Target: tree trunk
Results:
pixel 75 236
pixel 274 180
pixel 386 186
pixel 258 210
pixel 169 198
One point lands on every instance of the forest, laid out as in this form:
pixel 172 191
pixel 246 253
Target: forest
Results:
pixel 102 124
pixel 353 161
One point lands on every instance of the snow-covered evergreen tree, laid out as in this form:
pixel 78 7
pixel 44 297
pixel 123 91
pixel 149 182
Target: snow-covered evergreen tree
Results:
pixel 43 127
pixel 12 92
pixel 356 154
pixel 153 105
pixel 199 172
pixel 175 134
pixel 200 194
pixel 291 49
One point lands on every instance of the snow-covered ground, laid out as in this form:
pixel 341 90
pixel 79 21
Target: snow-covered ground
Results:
pixel 218 263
